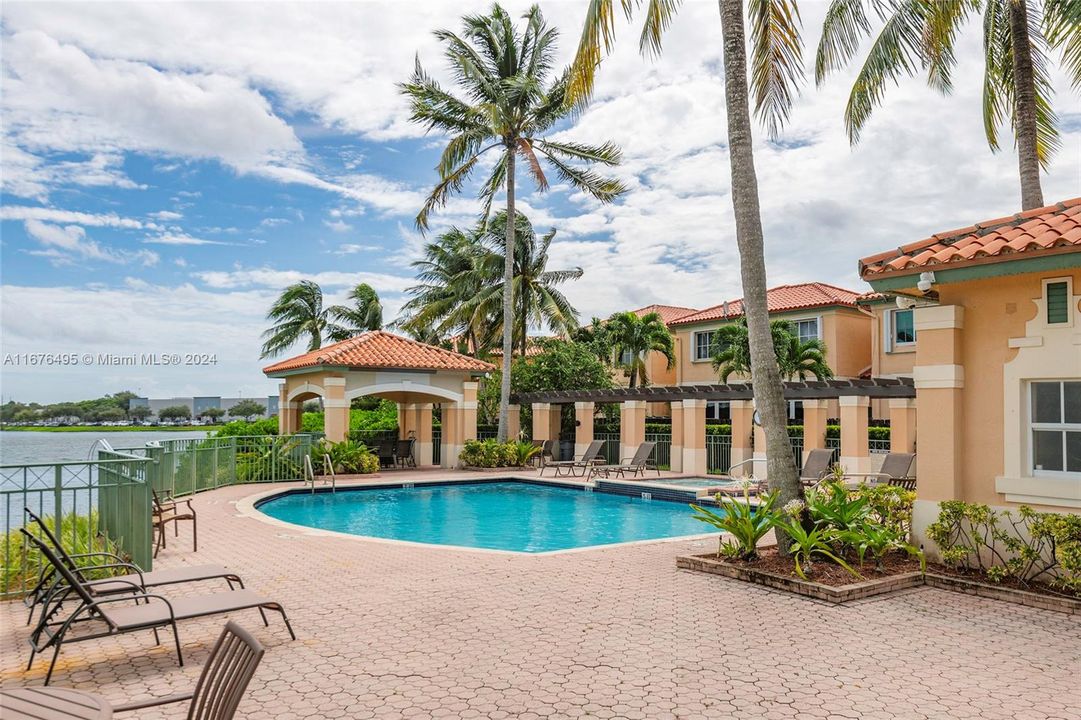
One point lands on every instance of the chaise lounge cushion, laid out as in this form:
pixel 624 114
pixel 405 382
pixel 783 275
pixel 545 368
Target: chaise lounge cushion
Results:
pixel 169 576
pixel 184 608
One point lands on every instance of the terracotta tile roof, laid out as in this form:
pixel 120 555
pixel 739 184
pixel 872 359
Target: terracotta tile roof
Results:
pixel 1048 230
pixel 779 299
pixel 378 349
pixel 532 347
pixel 668 313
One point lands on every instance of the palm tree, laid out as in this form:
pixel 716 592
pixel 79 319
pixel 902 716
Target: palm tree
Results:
pixel 511 104
pixel 597 337
pixel 535 289
pixel 634 338
pixel 299 312
pixel 796 359
pixel 365 313
pixel 919 36
pixel 777 69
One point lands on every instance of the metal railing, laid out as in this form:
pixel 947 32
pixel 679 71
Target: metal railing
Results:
pixel 437 446
pixel 91 505
pixel 611 446
pixel 834 444
pixel 875 445
pixel 662 454
pixel 718 454
pixel 488 434
pixel 797 450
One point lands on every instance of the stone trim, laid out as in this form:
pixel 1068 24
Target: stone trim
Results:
pixel 938 376
pixel 938 317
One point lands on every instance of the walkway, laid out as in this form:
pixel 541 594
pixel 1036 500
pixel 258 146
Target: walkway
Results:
pixel 392 631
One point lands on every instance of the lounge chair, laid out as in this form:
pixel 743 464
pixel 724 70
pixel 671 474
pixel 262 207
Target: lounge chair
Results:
pixel 49 583
pixel 403 454
pixel 569 467
pixel 167 510
pixel 639 463
pixel 816 467
pixel 545 454
pixel 896 470
pixel 156 611
pixel 221 685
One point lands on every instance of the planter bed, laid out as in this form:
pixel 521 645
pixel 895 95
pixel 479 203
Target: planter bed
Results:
pixel 505 469
pixel 832 583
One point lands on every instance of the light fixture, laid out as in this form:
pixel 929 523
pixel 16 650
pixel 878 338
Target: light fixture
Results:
pixel 905 302
pixel 927 279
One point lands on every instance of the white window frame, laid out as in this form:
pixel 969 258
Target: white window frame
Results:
pixel 817 320
pixel 891 329
pixel 1069 301
pixel 1062 427
pixel 709 345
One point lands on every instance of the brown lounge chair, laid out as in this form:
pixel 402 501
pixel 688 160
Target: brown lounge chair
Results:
pixel 167 510
pixel 49 583
pixel 545 455
pixel 224 679
pixel 589 457
pixel 156 611
pixel 816 467
pixel 637 464
pixel 896 470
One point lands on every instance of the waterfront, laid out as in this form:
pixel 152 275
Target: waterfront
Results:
pixel 41 447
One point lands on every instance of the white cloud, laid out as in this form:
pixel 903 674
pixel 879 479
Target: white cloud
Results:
pixel 54 215
pixel 354 248
pixel 66 244
pixel 274 221
pixel 338 226
pixel 277 279
pixel 180 238
pixel 166 215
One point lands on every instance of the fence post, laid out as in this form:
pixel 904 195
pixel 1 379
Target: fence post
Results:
pixel 58 496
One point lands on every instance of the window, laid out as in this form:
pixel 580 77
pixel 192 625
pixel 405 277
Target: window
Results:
pixel 1058 302
pixel 1056 426
pixel 904 328
pixel 717 410
pixel 626 357
pixel 703 343
pixel 807 329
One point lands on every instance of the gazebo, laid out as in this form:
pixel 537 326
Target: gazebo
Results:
pixel 412 374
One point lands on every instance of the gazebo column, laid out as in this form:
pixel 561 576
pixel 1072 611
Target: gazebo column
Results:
pixel 424 433
pixel 286 416
pixel 407 420
pixel 902 425
pixel 514 422
pixel 583 426
pixel 336 407
pixel 452 434
pixel 760 464
pixel 742 412
pixel 542 424
pixel 694 437
pixel 675 462
pixel 469 411
pixel 632 426
pixel 855 456
pixel 815 413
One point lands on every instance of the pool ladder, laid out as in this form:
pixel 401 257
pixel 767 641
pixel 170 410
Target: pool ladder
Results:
pixel 309 473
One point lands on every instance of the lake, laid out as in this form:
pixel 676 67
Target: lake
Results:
pixel 18 448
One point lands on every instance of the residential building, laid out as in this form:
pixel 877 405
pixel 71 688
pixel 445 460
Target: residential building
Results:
pixel 997 359
pixel 197 405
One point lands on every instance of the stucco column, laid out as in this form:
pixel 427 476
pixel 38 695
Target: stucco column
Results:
pixel 815 413
pixel 855 455
pixel 940 380
pixel 336 420
pixel 542 424
pixel 469 410
pixel 583 426
pixel 676 454
pixel 694 437
pixel 902 425
pixel 760 464
pixel 407 419
pixel 514 422
pixel 424 433
pixel 555 424
pixel 285 416
pixel 632 426
pixel 742 412
pixel 452 434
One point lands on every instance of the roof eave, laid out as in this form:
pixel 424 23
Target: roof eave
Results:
pixel 997 266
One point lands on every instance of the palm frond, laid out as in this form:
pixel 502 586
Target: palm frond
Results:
pixel 844 26
pixel 776 60
pixel 607 154
pixel 604 189
pixel 659 16
pixel 525 148
pixel 1062 29
pixel 449 185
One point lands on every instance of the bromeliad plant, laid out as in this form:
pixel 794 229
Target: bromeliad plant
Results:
pixel 747 524
pixel 806 543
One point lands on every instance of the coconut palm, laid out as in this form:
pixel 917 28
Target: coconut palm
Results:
pixel 512 100
pixel 299 312
pixel 776 71
pixel 919 36
pixel 365 312
pixel 633 338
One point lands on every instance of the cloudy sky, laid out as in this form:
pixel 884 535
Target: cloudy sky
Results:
pixel 168 168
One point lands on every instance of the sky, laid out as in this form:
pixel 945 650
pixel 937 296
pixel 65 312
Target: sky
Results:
pixel 167 168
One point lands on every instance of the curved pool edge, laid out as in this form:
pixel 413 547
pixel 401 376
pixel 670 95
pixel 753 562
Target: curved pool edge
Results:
pixel 247 506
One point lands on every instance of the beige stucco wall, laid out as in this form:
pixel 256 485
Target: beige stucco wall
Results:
pixel 846 332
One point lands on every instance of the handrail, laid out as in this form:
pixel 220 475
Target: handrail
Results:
pixel 329 467
pixel 743 462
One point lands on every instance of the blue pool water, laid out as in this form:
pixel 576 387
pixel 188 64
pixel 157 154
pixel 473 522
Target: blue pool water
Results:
pixel 699 482
pixel 497 515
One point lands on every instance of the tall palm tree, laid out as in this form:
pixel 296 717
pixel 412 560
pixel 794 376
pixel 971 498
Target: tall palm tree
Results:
pixel 365 312
pixel 919 36
pixel 512 102
pixel 538 299
pixel 796 359
pixel 299 312
pixel 777 70
pixel 634 338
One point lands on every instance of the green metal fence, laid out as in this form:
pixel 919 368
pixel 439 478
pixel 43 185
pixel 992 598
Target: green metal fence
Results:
pixel 611 446
pixel 662 454
pixel 718 454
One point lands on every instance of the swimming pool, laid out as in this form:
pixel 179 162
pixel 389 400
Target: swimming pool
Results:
pixel 699 482
pixel 498 515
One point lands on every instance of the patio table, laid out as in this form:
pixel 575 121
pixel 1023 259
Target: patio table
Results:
pixel 52 703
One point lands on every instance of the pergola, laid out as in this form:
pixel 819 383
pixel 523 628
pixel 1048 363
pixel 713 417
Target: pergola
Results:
pixel 414 375
pixel 688 405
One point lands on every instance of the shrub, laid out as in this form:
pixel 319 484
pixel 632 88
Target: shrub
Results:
pixel 889 505
pixel 79 535
pixel 346 458
pixel 745 523
pixel 492 453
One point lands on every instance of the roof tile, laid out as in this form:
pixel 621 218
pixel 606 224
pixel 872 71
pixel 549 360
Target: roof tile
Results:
pixel 1050 228
pixel 377 349
pixel 779 299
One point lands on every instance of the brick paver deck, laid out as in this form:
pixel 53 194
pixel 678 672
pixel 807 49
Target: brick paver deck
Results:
pixel 388 631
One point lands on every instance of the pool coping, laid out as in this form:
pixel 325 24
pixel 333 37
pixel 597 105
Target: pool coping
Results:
pixel 248 506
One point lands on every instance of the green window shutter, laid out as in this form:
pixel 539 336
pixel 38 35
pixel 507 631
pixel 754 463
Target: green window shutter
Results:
pixel 1058 304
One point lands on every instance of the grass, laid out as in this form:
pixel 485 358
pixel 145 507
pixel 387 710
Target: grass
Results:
pixel 22 564
pixel 119 428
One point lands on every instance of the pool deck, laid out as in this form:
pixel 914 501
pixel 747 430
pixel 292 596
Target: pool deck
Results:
pixel 388 630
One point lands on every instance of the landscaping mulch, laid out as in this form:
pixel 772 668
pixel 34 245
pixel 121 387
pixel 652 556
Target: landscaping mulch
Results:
pixel 1012 583
pixel 824 571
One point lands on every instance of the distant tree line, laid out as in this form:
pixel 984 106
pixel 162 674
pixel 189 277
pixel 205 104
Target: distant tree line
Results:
pixel 117 408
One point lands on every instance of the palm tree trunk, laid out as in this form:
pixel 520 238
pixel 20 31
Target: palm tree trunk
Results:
pixel 768 391
pixel 1024 114
pixel 634 374
pixel 508 303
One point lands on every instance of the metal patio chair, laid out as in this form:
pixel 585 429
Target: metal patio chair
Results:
pixel 167 510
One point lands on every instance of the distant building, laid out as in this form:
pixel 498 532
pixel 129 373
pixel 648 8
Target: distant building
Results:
pixel 199 405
